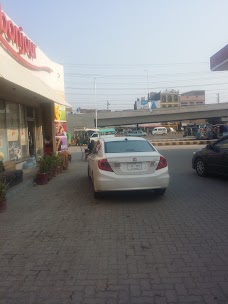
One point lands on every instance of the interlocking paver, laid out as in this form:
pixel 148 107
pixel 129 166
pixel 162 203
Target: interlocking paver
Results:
pixel 59 245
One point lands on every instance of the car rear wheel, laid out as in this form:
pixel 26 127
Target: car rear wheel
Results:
pixel 96 194
pixel 160 191
pixel 200 166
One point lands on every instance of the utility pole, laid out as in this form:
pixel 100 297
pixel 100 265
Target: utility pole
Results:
pixel 95 102
pixel 218 98
pixel 148 93
pixel 108 104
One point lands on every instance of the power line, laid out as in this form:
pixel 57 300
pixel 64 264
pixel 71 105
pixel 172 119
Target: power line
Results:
pixel 91 65
pixel 155 88
pixel 152 75
pixel 183 86
pixel 143 82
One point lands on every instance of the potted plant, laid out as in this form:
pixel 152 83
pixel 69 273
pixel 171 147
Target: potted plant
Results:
pixel 62 160
pixel 55 164
pixel 4 186
pixel 59 163
pixel 48 159
pixel 44 167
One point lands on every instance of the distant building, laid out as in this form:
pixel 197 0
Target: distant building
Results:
pixel 192 98
pixel 169 99
pixel 154 96
pixel 144 104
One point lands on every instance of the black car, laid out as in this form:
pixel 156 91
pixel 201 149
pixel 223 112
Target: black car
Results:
pixel 212 159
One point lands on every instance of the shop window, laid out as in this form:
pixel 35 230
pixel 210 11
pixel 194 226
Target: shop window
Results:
pixel 23 131
pixel 12 124
pixel 16 132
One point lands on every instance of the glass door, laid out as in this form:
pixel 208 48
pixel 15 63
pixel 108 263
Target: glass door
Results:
pixel 31 137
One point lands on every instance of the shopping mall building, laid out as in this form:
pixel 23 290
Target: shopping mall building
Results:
pixel 31 93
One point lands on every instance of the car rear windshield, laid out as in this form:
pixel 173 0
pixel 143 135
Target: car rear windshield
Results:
pixel 128 146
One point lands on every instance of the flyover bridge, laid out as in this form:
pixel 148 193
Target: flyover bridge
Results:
pixel 118 118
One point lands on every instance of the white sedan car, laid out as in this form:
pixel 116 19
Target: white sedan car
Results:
pixel 125 164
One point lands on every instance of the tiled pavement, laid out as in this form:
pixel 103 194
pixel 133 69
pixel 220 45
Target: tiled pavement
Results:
pixel 58 245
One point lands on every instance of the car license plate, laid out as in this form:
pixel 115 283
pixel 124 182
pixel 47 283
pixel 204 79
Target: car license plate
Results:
pixel 134 167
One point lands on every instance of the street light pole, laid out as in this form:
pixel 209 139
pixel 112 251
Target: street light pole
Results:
pixel 148 84
pixel 95 102
pixel 218 99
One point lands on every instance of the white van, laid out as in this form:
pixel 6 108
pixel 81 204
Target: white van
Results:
pixel 94 136
pixel 159 131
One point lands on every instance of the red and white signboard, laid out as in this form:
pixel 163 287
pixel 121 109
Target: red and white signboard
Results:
pixel 21 59
pixel 17 43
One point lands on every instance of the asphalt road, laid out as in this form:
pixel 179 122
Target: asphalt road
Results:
pixel 59 245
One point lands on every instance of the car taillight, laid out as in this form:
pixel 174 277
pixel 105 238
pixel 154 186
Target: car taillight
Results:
pixel 103 164
pixel 162 163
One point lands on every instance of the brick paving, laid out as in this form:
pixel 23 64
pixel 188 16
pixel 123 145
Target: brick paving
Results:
pixel 58 245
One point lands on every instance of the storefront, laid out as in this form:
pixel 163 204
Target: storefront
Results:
pixel 31 89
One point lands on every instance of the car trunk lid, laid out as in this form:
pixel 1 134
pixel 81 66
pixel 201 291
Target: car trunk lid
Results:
pixel 145 163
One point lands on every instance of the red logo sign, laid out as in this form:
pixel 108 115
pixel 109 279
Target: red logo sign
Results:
pixel 12 34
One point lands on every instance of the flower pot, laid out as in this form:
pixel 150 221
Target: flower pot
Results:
pixel 42 178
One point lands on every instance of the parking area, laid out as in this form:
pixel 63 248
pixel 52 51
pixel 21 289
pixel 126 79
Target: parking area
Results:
pixel 60 245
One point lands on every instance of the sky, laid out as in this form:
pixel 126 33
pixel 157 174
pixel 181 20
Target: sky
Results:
pixel 126 48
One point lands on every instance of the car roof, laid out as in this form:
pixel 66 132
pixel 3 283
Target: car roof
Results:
pixel 122 138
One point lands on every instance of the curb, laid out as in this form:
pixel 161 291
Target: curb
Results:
pixel 183 143
pixel 172 139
